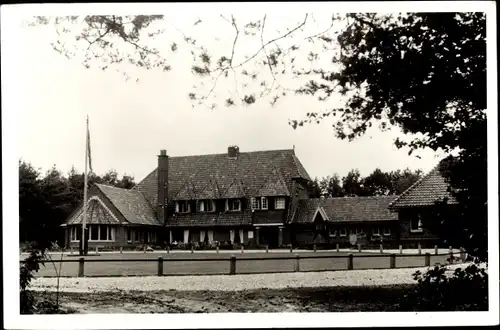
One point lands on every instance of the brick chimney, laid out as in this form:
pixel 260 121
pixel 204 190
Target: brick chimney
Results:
pixel 233 152
pixel 161 208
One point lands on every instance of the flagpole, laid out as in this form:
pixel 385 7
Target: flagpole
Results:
pixel 84 223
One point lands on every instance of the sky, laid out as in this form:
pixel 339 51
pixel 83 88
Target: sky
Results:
pixel 131 121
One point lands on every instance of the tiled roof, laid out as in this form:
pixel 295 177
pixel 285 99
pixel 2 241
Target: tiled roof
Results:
pixel 132 205
pixel 346 209
pixel 209 174
pixel 425 192
pixel 97 214
pixel 211 219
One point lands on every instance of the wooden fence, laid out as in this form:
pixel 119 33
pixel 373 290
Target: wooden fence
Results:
pixel 389 261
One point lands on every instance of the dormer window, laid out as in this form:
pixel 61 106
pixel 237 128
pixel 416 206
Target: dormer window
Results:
pixel 182 207
pixel 259 203
pixel 233 205
pixel 279 203
pixel 206 205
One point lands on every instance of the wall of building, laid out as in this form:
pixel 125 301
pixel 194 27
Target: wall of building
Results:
pixel 427 237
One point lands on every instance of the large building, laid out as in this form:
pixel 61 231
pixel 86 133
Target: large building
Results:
pixel 247 198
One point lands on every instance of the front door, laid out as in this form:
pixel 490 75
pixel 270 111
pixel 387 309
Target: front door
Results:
pixel 269 236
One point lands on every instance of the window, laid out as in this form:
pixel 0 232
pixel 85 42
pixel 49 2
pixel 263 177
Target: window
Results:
pixel 343 232
pixel 387 231
pixel 259 203
pixel 376 231
pixel 101 233
pixel 211 206
pixel 332 232
pixel 207 205
pixel 182 207
pixel 263 203
pixel 416 224
pixel 279 203
pixel 233 205
pixel 360 231
pixel 94 232
pixel 129 234
pixel 75 234
pixel 255 203
pixel 250 234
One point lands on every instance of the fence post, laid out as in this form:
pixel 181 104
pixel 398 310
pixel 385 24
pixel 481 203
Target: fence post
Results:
pixel 121 249
pixel 192 248
pixel 71 249
pixel 435 249
pixel 427 260
pixel 350 262
pixel 232 265
pixel 462 254
pixel 160 266
pixel 168 248
pixel 81 267
pixel 419 248
pixel 381 248
pixel 96 250
pixel 291 248
pixel 267 248
pixel 337 247
pixel 451 255
pixel 359 247
pixel 242 249
pixel 297 263
pixel 393 261
pixel 217 247
pixel 400 249
pixel 144 248
pixel 314 247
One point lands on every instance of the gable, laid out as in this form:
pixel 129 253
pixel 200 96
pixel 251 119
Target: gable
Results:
pixel 97 213
pixel 425 192
pixel 131 204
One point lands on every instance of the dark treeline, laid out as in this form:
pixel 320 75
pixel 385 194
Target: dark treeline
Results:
pixel 375 184
pixel 47 200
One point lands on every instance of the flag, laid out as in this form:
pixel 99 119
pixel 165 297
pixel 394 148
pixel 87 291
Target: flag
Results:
pixel 88 146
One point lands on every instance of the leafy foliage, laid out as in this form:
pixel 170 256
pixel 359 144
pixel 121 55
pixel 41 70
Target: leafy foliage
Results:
pixel 375 184
pixel 26 273
pixel 466 289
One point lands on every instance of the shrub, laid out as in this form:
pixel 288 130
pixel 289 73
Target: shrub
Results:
pixel 466 289
pixel 26 273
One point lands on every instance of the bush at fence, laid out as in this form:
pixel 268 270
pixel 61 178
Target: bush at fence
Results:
pixel 466 289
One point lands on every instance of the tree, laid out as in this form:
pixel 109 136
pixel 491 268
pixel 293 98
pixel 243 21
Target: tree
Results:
pixel 331 186
pixel 352 184
pixel 424 73
pixel 402 180
pixel 314 190
pixel 377 183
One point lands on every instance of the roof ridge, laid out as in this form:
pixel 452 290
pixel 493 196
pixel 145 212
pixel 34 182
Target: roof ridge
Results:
pixel 111 186
pixel 413 186
pixel 223 153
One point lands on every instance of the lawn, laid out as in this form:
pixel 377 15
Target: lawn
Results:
pixel 197 263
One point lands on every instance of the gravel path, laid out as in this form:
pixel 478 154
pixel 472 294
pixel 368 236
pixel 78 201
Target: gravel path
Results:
pixel 234 282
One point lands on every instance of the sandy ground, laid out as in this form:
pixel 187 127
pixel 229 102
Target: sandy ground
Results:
pixel 373 277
